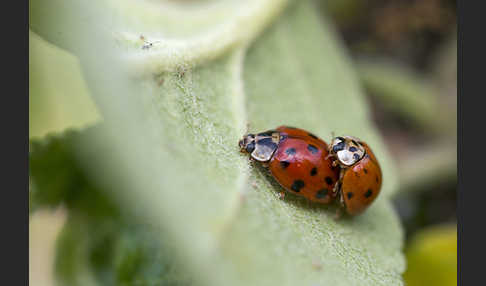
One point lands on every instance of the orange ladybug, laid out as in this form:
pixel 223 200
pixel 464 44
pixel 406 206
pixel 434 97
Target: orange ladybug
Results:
pixel 360 177
pixel 297 159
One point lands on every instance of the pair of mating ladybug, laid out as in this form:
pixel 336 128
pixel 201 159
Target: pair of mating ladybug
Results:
pixel 305 165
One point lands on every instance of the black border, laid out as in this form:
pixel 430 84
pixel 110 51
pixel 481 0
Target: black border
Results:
pixel 15 140
pixel 471 200
pixel 460 122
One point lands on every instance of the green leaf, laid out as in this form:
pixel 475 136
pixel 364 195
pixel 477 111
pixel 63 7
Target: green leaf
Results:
pixel 57 177
pixel 58 95
pixel 173 119
pixel 407 94
pixel 114 252
pixel 98 242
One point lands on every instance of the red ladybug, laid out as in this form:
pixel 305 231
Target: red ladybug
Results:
pixel 297 159
pixel 360 177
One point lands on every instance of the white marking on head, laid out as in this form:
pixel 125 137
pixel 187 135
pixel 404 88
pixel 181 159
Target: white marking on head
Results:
pixel 346 157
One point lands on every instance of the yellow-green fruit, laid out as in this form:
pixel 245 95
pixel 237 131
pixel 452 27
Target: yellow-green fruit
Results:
pixel 432 257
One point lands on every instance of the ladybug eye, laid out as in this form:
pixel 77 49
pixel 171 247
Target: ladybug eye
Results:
pixel 250 147
pixel 241 143
pixel 338 147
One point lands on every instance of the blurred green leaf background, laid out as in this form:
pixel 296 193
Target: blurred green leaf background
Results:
pixel 113 125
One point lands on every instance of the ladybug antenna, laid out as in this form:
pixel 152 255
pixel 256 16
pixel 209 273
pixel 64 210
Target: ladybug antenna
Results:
pixel 247 128
pixel 332 135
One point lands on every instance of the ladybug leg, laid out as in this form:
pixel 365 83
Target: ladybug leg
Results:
pixel 339 213
pixel 337 186
pixel 281 195
pixel 340 210
pixel 341 200
pixel 334 163
pixel 264 164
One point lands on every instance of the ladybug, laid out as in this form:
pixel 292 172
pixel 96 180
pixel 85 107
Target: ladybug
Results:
pixel 360 177
pixel 298 160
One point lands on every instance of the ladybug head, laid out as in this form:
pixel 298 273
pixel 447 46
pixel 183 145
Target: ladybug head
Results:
pixel 346 150
pixel 247 144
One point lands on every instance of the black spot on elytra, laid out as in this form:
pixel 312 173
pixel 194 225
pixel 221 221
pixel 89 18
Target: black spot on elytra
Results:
pixel 353 149
pixel 356 156
pixel 338 147
pixel 322 193
pixel 368 193
pixel 290 151
pixel 313 172
pixel 328 180
pixel 313 149
pixel 312 135
pixel 350 195
pixel 284 164
pixel 297 185
pixel 366 171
